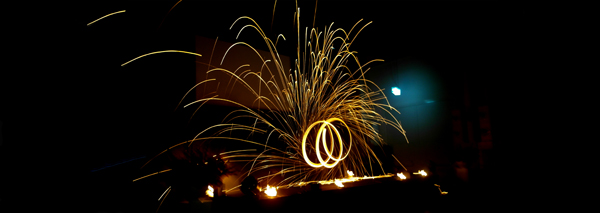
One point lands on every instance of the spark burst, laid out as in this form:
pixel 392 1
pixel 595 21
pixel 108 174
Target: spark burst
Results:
pixel 323 108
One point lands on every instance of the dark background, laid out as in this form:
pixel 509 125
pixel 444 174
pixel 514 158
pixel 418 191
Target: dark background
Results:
pixel 71 110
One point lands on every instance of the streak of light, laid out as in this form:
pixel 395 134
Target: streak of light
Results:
pixel 161 202
pixel 163 20
pixel 244 150
pixel 163 51
pixel 161 196
pixel 166 170
pixel 122 11
pixel 399 162
pixel 235 187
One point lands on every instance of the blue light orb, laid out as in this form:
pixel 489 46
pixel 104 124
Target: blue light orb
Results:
pixel 396 91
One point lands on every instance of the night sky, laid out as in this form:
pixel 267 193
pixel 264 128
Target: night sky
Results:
pixel 79 110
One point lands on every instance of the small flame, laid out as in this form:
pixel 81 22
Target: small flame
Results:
pixel 210 191
pixel 401 176
pixel 350 173
pixel 339 183
pixel 422 172
pixel 271 191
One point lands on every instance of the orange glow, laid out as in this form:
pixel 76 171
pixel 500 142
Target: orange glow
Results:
pixel 210 191
pixel 350 173
pixel 271 191
pixel 401 176
pixel 321 135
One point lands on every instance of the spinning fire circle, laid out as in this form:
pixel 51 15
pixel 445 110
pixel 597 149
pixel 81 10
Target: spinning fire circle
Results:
pixel 322 136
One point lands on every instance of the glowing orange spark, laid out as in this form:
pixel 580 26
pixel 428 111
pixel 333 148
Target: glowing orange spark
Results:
pixel 166 170
pixel 164 51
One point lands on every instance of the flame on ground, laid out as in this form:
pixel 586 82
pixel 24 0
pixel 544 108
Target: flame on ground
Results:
pixel 210 191
pixel 338 183
pixel 271 191
pixel 421 172
pixel 401 176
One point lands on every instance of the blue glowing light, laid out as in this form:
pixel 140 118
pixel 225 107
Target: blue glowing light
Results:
pixel 396 91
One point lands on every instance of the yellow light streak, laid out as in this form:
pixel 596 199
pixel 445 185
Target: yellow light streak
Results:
pixel 163 200
pixel 163 51
pixel 166 190
pixel 122 11
pixel 166 170
pixel 399 162
pixel 245 150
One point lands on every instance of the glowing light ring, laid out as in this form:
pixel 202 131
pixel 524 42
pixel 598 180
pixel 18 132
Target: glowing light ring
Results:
pixel 321 135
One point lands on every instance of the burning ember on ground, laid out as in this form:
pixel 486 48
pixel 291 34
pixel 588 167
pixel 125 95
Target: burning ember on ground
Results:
pixel 210 191
pixel 339 183
pixel 422 172
pixel 271 191
pixel 401 176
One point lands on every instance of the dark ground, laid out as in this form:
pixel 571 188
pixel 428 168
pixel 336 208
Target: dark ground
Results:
pixel 112 191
